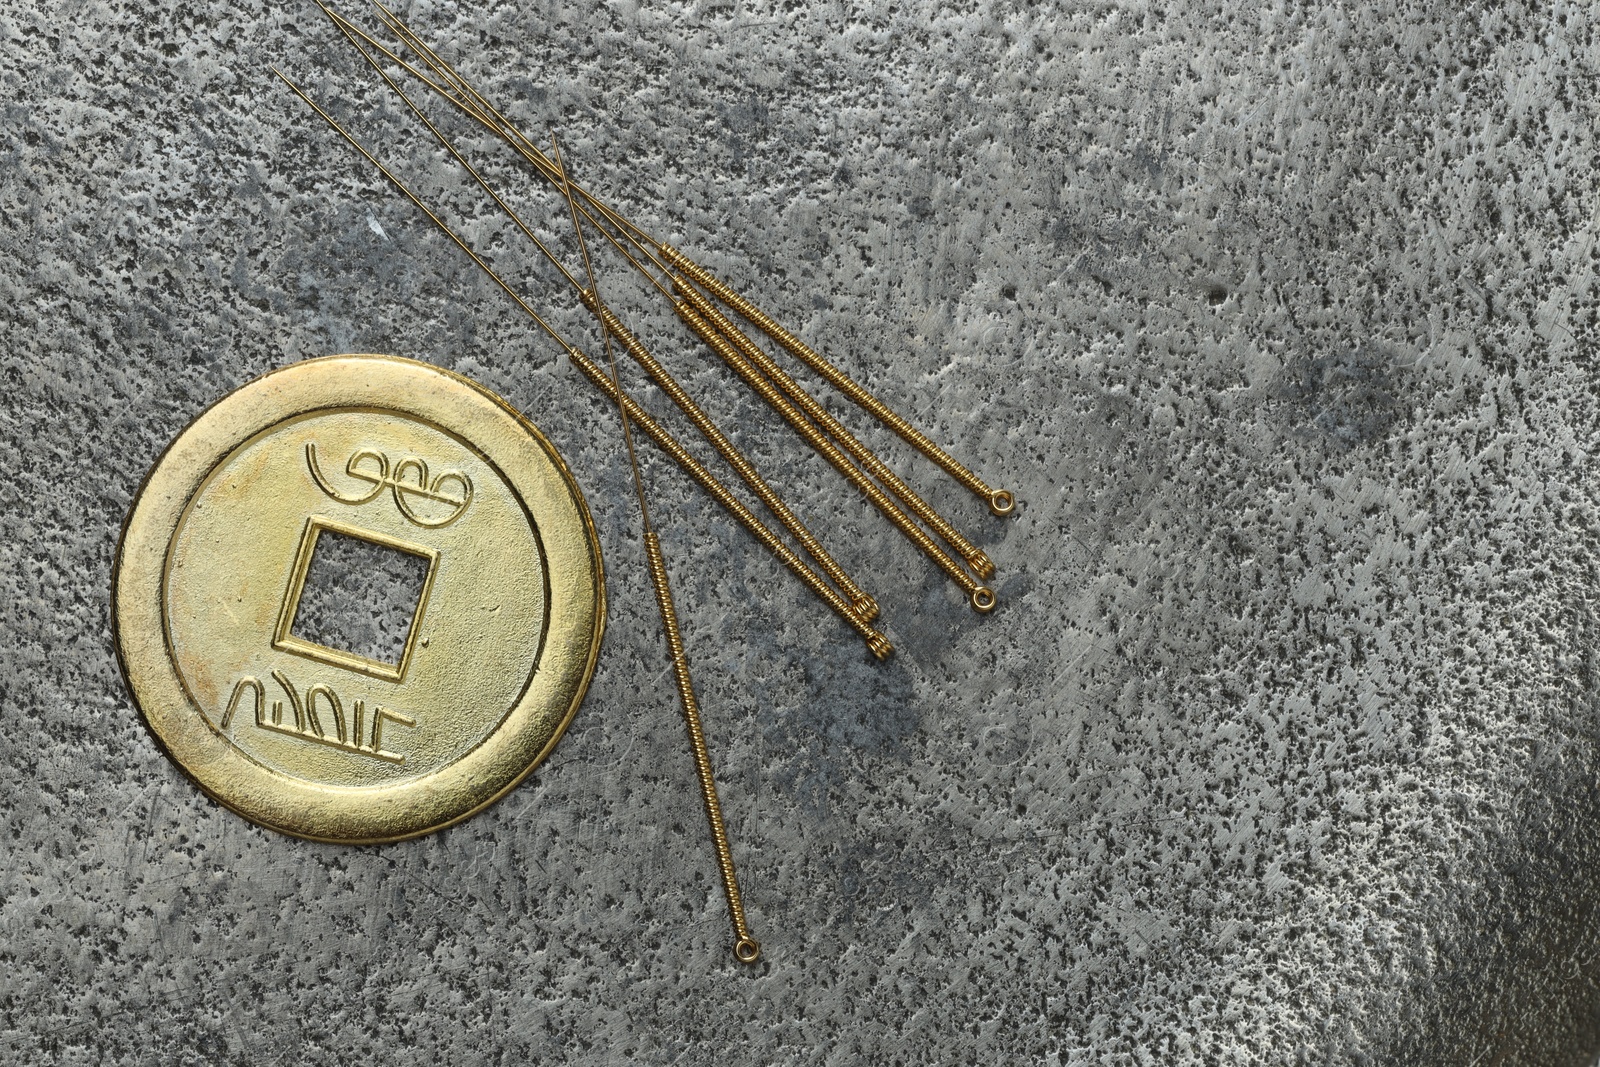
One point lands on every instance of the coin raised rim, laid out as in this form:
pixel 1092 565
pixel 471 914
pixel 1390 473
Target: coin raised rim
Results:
pixel 527 733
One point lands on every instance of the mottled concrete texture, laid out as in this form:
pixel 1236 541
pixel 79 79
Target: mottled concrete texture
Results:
pixel 1282 746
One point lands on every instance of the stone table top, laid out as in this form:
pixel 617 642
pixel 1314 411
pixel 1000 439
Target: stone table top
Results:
pixel 1282 744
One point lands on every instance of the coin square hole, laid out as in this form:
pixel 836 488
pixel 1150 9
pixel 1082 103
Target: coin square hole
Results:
pixel 360 597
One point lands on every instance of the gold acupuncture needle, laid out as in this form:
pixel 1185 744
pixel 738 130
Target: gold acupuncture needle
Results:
pixel 697 312
pixel 745 947
pixel 981 597
pixel 691 306
pixel 1001 502
pixel 691 298
pixel 879 645
pixel 860 601
pixel 717 338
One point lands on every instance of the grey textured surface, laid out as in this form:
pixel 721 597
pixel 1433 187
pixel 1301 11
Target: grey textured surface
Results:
pixel 1282 745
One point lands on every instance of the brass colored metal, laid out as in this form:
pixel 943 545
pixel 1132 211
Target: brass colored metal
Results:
pixel 329 743
pixel 356 37
pixel 458 91
pixel 975 557
pixel 745 946
pixel 1000 501
pixel 876 642
pixel 863 604
pixel 979 596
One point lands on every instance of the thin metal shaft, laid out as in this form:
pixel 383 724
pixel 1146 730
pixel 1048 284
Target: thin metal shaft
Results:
pixel 862 603
pixel 1000 501
pixel 465 96
pixel 981 597
pixel 611 353
pixel 745 948
pixel 876 642
pixel 974 556
pixel 348 30
pixel 435 219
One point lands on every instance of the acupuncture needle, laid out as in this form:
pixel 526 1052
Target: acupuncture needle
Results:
pixel 745 948
pixel 863 604
pixel 739 360
pixel 1000 501
pixel 981 597
pixel 876 642
pixel 742 355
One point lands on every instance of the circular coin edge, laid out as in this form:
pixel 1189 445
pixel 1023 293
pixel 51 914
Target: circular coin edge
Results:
pixel 363 814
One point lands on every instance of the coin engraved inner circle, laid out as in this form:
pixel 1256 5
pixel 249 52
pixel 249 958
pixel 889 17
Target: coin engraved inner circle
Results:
pixel 235 573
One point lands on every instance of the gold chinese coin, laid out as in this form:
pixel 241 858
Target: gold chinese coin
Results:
pixel 359 599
